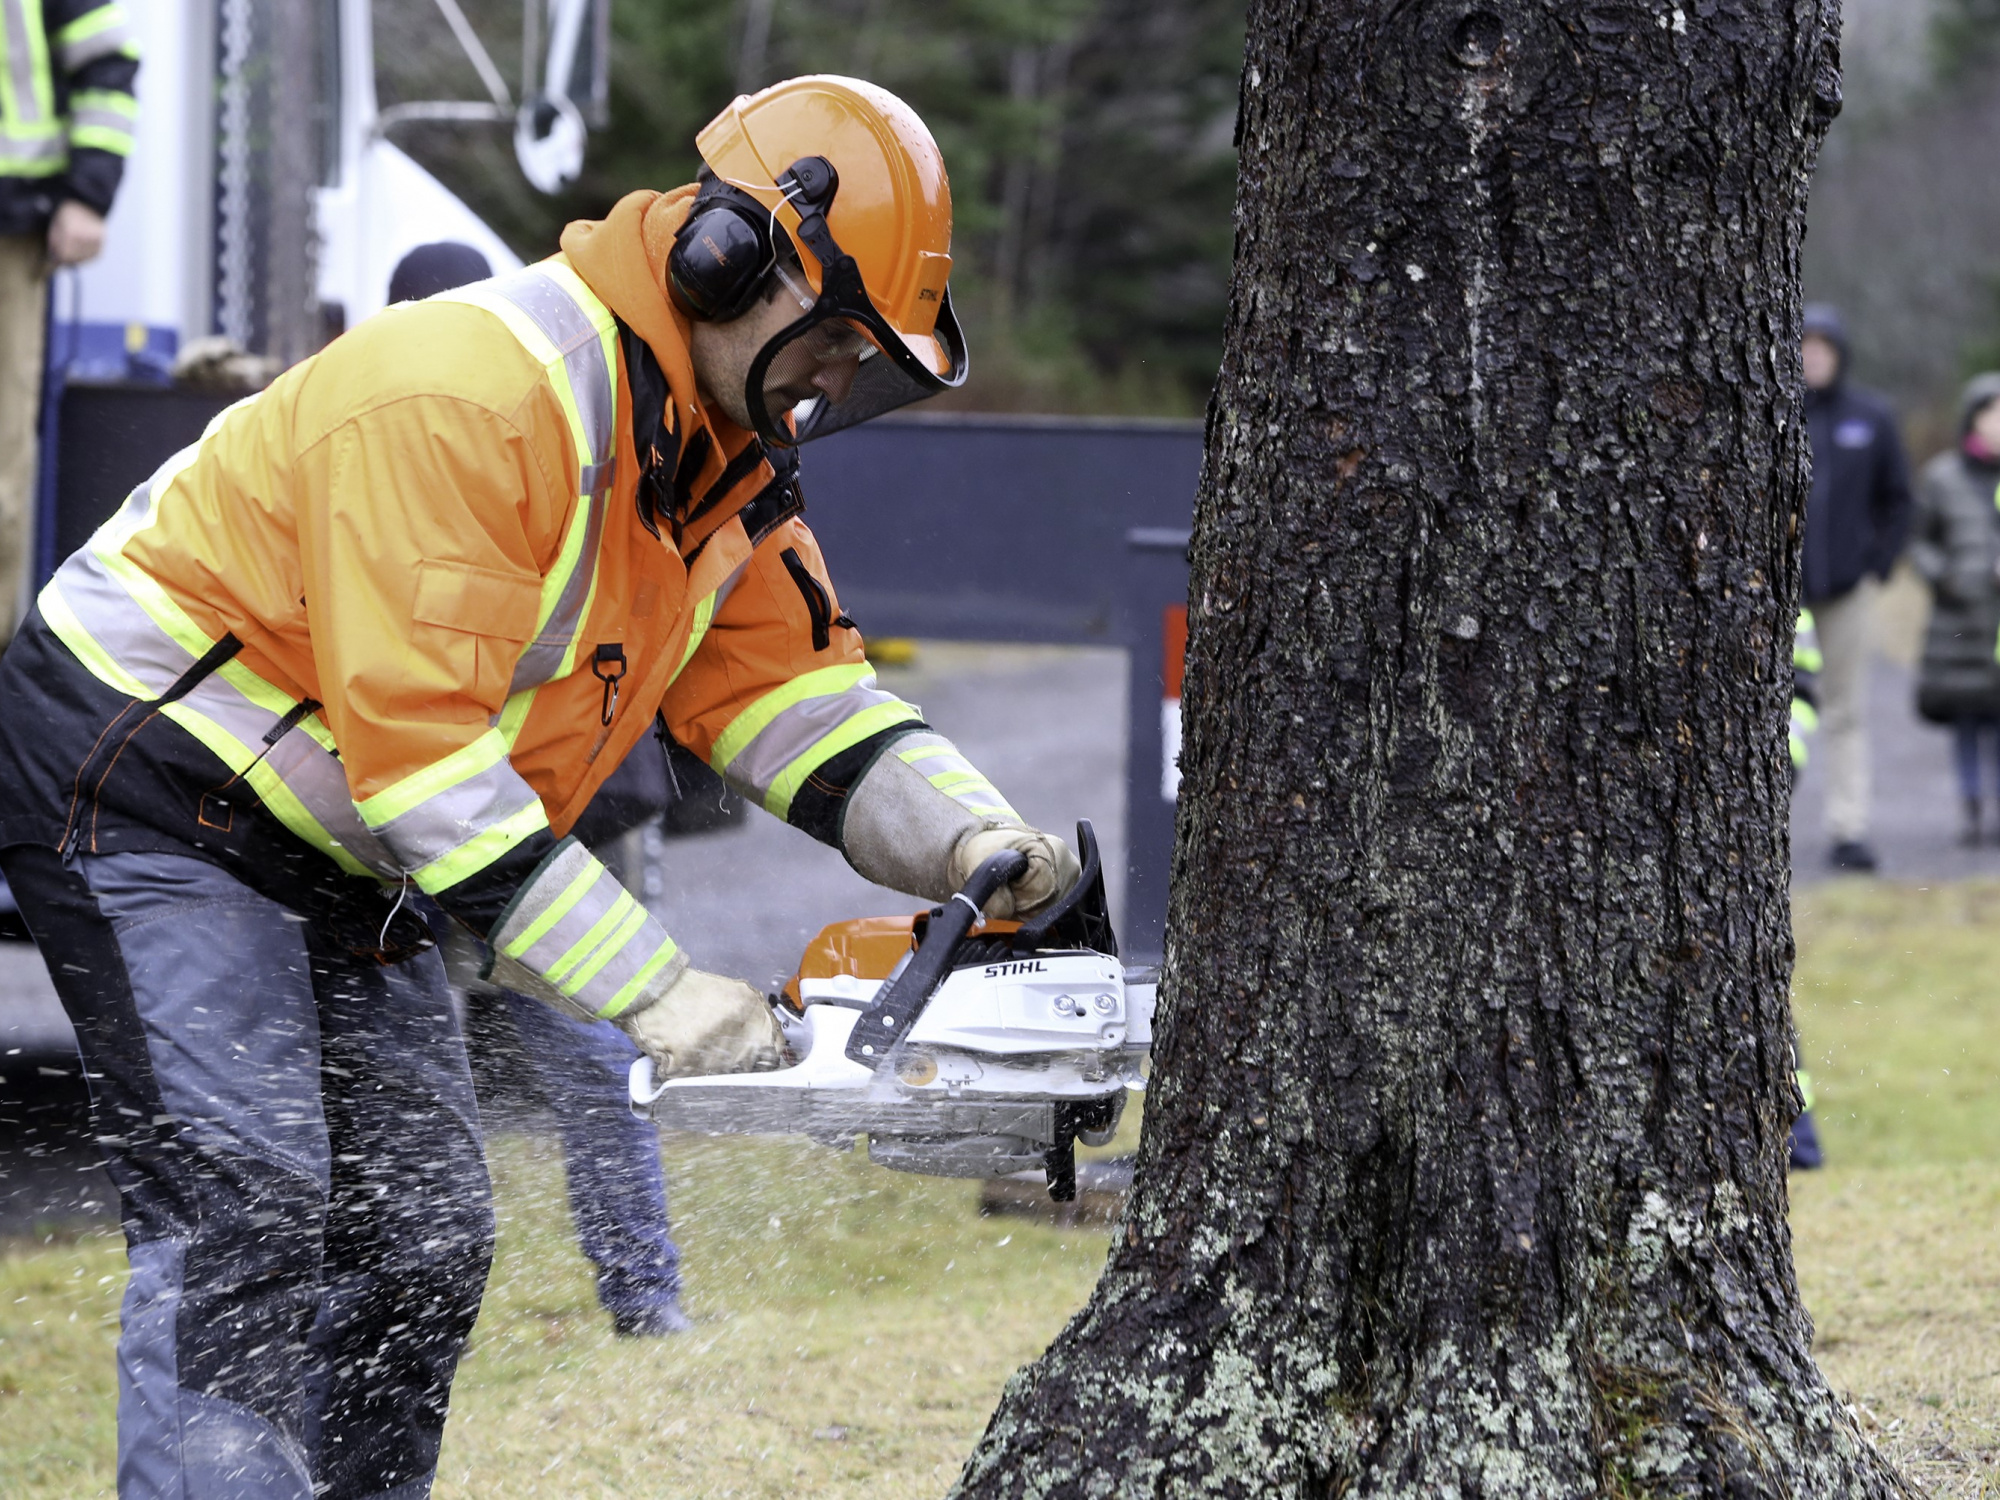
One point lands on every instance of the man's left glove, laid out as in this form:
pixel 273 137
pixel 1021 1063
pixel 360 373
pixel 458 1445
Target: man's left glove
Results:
pixel 705 1023
pixel 922 819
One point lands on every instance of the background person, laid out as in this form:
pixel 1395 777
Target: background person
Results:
pixel 1955 546
pixel 1856 519
pixel 611 1160
pixel 66 121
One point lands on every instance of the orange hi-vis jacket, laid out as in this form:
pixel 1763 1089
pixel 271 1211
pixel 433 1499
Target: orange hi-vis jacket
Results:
pixel 455 616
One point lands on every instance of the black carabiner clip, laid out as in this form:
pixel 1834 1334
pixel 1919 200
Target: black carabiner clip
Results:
pixel 611 655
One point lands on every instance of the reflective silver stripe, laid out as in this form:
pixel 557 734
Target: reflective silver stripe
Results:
pixel 796 730
pixel 544 655
pixel 124 632
pixel 570 329
pixel 35 147
pixel 103 119
pixel 941 763
pixel 20 44
pixel 579 892
pixel 453 818
pixel 578 929
pixel 728 587
pixel 107 42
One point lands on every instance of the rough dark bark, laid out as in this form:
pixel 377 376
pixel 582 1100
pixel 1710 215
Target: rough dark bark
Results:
pixel 1463 1170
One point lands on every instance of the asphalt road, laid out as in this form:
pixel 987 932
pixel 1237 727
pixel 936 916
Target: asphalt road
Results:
pixel 1048 725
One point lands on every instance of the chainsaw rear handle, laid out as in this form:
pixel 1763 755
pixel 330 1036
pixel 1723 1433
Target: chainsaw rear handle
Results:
pixel 897 1007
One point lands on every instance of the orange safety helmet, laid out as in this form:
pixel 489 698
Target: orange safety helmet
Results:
pixel 853 177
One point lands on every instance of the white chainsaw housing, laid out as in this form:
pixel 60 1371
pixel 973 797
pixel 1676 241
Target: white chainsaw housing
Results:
pixel 972 1091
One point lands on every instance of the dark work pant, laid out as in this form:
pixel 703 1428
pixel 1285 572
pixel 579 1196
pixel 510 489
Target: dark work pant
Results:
pixel 1968 737
pixel 617 1191
pixel 296 1149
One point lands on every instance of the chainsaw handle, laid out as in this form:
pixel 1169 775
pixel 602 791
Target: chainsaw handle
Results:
pixel 897 1007
pixel 982 885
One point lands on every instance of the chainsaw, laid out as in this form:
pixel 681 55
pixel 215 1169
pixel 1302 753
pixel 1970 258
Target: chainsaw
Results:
pixel 959 1046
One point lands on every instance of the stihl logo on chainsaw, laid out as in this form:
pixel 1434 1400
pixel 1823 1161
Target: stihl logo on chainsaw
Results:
pixel 1027 966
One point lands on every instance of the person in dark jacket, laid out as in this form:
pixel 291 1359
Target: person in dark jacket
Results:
pixel 1956 548
pixel 1856 519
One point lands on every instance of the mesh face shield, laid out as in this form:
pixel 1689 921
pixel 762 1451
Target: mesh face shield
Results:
pixel 895 368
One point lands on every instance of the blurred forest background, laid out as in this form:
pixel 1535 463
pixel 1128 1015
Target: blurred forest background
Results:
pixel 1904 230
pixel 1093 170
pixel 1089 143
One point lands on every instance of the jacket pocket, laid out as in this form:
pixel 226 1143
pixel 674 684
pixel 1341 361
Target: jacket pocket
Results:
pixel 479 619
pixel 477 601
pixel 819 603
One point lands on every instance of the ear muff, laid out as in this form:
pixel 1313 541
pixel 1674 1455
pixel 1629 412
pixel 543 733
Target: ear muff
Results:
pixel 720 258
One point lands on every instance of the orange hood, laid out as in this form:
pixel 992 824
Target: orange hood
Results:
pixel 623 258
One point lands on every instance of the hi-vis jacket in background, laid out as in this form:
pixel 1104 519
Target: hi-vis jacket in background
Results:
pixel 66 107
pixel 411 605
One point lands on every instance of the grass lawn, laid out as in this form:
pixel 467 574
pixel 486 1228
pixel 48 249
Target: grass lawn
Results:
pixel 1898 1241
pixel 855 1325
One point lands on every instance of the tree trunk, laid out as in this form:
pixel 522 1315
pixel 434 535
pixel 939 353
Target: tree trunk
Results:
pixel 1463 1170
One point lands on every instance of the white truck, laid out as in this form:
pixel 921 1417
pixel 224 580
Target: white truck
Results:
pixel 190 226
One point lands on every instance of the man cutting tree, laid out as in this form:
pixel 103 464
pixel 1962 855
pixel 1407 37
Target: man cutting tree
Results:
pixel 385 629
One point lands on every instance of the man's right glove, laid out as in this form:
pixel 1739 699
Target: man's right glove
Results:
pixel 922 819
pixel 577 939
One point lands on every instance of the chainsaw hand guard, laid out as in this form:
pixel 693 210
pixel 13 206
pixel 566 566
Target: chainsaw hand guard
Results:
pixel 895 1011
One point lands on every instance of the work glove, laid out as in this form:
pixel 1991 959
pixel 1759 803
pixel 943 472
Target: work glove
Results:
pixel 1052 868
pixel 705 1023
pixel 922 819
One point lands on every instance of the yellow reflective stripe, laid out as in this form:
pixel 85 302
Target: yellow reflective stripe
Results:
pixel 601 318
pixel 514 714
pixel 544 350
pixel 568 663
pixel 703 613
pixel 747 725
pixel 163 611
pixel 90 23
pixel 112 100
pixel 558 909
pixel 264 780
pixel 479 851
pixel 624 998
pixel 613 946
pixel 102 138
pixel 957 781
pixel 620 908
pixel 271 788
pixel 419 787
pixel 852 731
